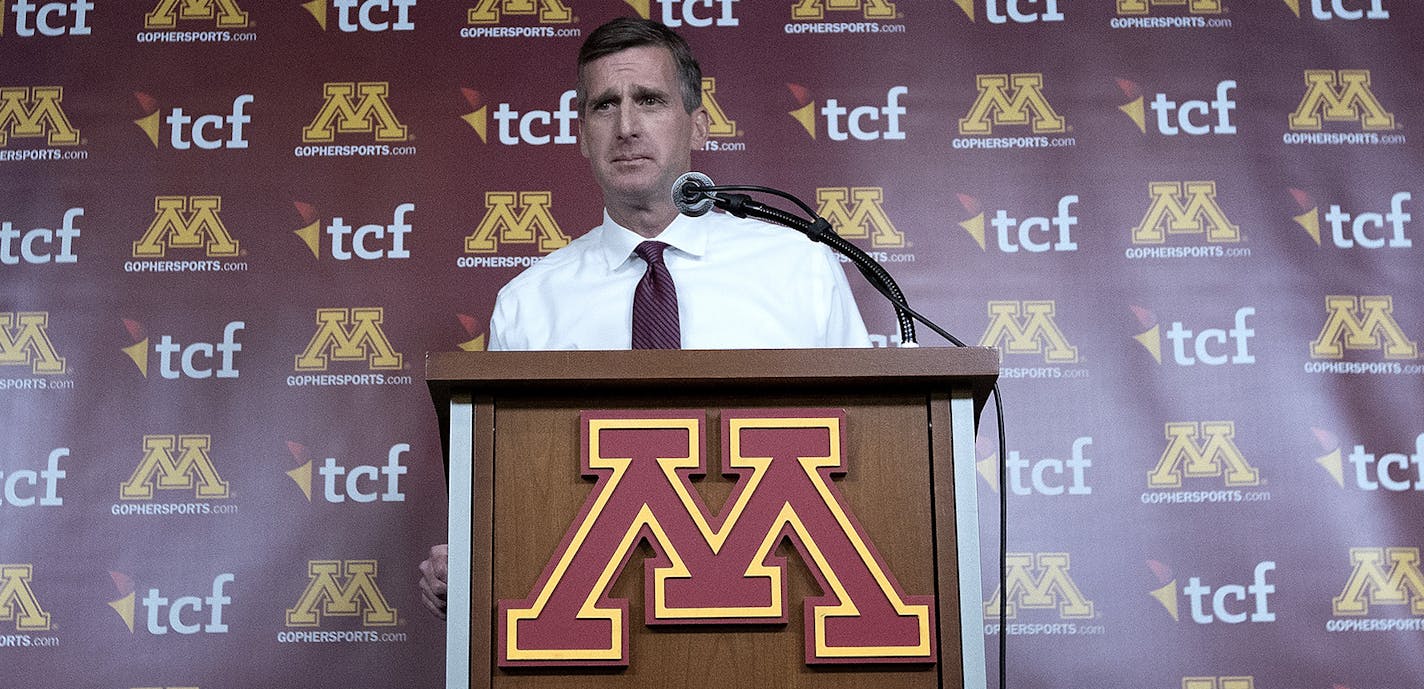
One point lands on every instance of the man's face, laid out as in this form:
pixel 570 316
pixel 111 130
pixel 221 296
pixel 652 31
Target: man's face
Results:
pixel 633 128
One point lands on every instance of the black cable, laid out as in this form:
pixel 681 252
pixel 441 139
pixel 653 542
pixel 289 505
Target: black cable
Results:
pixel 880 279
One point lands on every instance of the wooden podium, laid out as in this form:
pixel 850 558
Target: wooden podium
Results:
pixel 526 512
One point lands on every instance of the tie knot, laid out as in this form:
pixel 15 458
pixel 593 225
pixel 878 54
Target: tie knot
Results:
pixel 650 251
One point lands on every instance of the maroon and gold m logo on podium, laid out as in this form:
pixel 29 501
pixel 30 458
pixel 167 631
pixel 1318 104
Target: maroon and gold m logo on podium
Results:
pixel 715 568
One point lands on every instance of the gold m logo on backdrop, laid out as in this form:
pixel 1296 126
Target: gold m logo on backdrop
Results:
pixel 550 11
pixel 1339 96
pixel 1184 208
pixel 24 341
pixel 166 13
pixel 1028 327
pixel 721 126
pixel 1022 104
pixel 1370 584
pixel 342 588
pixel 1138 7
pixel 1218 683
pixel 816 9
pixel 517 218
pixel 1362 323
pixel 1189 454
pixel 343 113
pixel 17 600
pixel 866 218
pixel 32 112
pixel 349 335
pixel 179 462
pixel 186 222
pixel 1040 581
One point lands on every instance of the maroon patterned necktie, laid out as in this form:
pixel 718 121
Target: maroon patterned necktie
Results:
pixel 655 321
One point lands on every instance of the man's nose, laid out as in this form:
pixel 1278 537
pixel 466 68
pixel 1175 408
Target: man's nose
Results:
pixel 629 123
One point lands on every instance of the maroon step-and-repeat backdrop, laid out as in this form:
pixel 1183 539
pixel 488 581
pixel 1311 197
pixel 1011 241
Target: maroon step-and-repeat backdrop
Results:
pixel 231 229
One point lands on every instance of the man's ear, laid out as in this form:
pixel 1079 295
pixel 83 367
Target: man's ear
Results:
pixel 701 123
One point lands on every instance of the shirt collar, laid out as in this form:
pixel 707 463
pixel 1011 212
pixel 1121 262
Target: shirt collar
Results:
pixel 686 234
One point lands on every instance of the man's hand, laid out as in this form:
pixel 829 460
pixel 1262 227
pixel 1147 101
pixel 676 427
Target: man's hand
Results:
pixel 433 574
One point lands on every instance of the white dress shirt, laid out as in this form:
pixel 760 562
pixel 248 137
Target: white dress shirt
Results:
pixel 741 284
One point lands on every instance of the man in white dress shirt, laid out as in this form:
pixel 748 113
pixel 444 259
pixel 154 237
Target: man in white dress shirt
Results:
pixel 739 283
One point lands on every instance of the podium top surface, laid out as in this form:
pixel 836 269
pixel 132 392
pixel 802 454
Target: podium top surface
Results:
pixel 901 370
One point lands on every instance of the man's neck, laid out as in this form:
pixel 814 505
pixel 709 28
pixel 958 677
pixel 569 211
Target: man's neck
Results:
pixel 647 222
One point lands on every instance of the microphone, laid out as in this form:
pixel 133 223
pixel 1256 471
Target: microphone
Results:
pixel 689 196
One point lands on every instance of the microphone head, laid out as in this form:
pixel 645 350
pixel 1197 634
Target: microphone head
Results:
pixel 688 194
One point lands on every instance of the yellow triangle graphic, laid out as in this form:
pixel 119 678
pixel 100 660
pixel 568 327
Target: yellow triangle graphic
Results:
pixel 310 236
pixel 318 11
pixel 806 115
pixel 139 353
pixel 149 125
pixel 1310 220
pixel 967 6
pixel 975 227
pixel 475 345
pixel 302 475
pixel 1134 110
pixel 479 122
pixel 639 6
pixel 1152 340
pixel 989 469
pixel 1332 464
pixel 1167 596
pixel 125 607
pixel 1294 6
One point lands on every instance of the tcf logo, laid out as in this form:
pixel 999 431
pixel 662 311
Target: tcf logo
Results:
pixel 1209 604
pixel 1366 230
pixel 50 18
pixel 162 614
pixel 207 132
pixel 45 238
pixel 530 127
pixel 194 361
pixel 1338 9
pixel 844 123
pixel 1190 117
pixel 1004 11
pixel 676 13
pixel 370 242
pixel 1028 477
pixel 1207 346
pixel 341 482
pixel 51 475
pixel 364 15
pixel 1015 234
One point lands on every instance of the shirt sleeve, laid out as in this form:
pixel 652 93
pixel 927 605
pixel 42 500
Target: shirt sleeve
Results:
pixel 843 324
